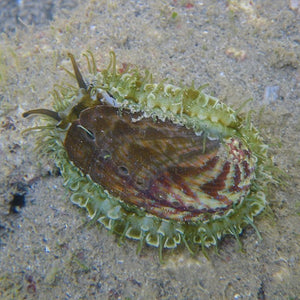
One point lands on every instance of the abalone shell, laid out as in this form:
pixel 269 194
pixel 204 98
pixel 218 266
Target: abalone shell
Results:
pixel 164 168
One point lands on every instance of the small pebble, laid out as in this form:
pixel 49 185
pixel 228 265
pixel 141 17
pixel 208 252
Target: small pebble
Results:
pixel 295 5
pixel 271 94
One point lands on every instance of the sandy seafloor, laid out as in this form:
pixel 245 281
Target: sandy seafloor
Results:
pixel 243 49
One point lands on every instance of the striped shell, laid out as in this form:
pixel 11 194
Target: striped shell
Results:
pixel 164 168
pixel 154 162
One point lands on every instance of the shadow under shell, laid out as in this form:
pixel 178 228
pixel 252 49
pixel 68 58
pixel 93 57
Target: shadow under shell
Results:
pixel 162 167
